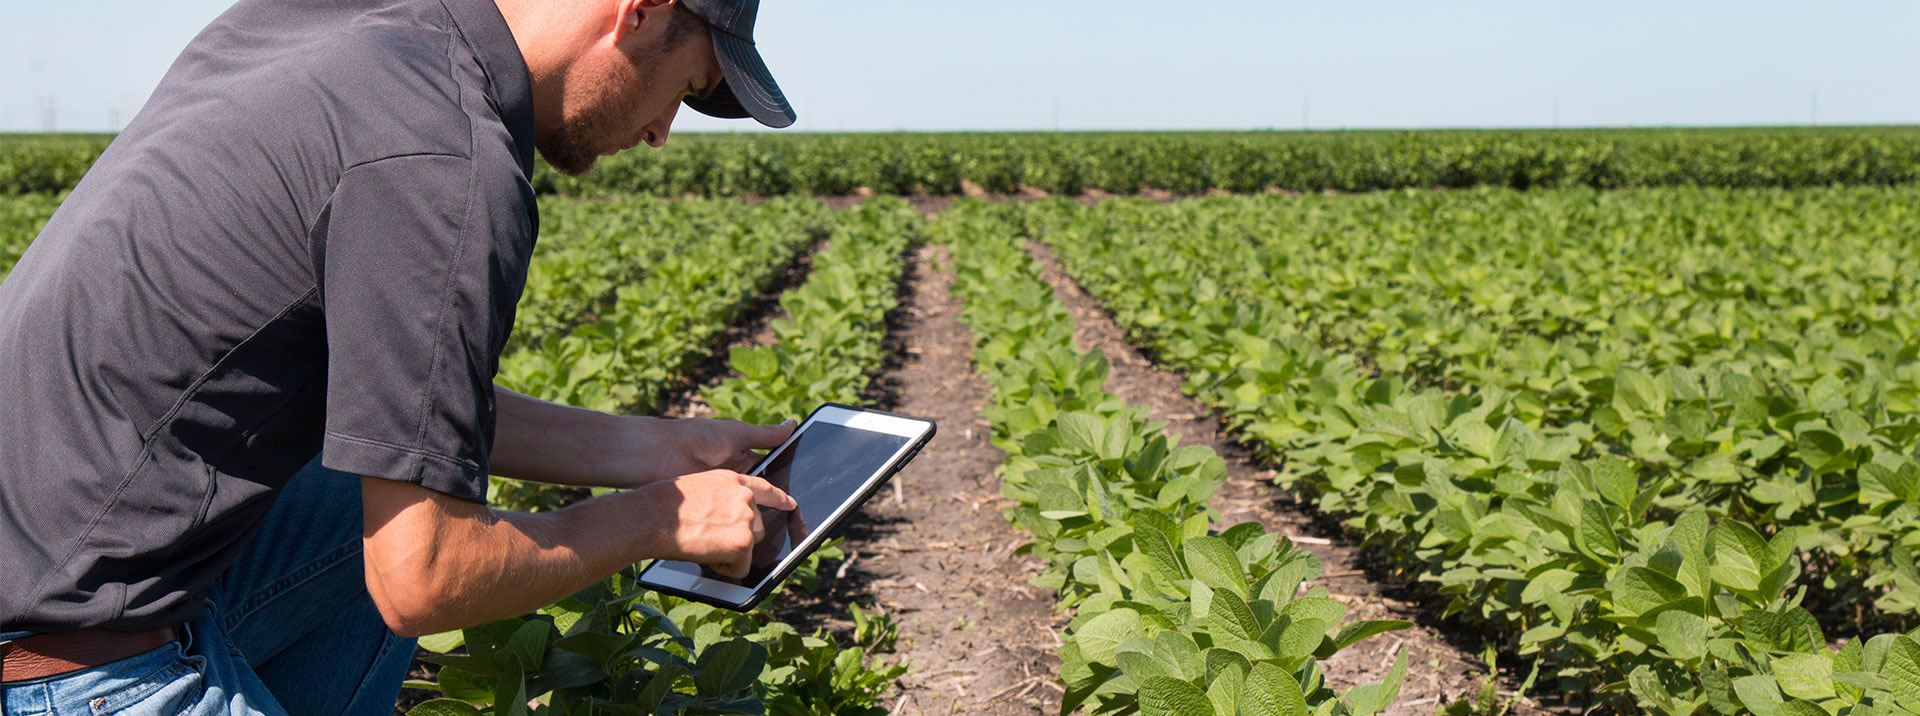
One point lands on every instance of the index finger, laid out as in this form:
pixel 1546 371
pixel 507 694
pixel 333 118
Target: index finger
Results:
pixel 766 495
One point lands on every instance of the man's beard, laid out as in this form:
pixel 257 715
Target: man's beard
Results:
pixel 612 95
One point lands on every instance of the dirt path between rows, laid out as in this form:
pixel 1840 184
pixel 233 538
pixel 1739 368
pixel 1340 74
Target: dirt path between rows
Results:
pixel 1439 670
pixel 933 551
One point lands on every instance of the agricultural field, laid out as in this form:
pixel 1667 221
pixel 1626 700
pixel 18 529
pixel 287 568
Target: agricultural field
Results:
pixel 1639 438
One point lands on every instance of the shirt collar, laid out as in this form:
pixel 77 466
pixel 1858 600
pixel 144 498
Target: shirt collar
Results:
pixel 486 32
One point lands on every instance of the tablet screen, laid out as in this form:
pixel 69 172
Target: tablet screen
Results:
pixel 822 469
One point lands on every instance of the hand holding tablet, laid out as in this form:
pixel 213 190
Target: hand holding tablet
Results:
pixel 834 461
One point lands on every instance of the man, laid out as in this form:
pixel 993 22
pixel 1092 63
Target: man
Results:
pixel 246 401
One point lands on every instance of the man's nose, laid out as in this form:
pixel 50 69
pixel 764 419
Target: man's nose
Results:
pixel 655 134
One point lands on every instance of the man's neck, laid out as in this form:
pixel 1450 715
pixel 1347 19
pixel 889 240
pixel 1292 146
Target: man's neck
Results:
pixel 546 32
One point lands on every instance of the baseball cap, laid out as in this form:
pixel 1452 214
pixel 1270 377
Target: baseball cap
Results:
pixel 748 90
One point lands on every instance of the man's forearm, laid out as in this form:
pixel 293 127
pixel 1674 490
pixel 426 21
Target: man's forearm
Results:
pixel 548 442
pixel 481 565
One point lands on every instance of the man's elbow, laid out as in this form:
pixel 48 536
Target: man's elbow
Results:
pixel 409 606
pixel 407 529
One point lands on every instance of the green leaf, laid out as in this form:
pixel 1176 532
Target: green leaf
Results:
pixel 530 643
pixel 1225 691
pixel 1280 585
pixel 1321 608
pixel 1082 431
pixel 1614 477
pixel 1374 698
pixel 1639 392
pixel 486 639
pixel 757 363
pixel 1902 667
pixel 1792 631
pixel 729 666
pixel 657 688
pixel 1355 632
pixel 1596 531
pixel 1201 597
pixel 1295 641
pixel 1801 708
pixel 1100 636
pixel 1157 545
pixel 1758 694
pixel 1739 556
pixel 1179 651
pixel 1113 445
pixel 1850 659
pixel 1805 676
pixel 1647 686
pixel 443 642
pixel 1214 561
pixel 600 646
pixel 1080 690
pixel 1168 696
pixel 1223 660
pixel 463 685
pixel 510 692
pixel 1271 691
pixel 1682 634
pixel 1137 658
pixel 1639 590
pixel 1230 616
pixel 444 707
pixel 1865 681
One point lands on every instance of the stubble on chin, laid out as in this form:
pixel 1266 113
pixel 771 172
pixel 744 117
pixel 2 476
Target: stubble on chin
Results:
pixel 606 96
pixel 565 152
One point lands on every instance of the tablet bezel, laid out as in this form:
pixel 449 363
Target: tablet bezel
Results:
pixel 917 432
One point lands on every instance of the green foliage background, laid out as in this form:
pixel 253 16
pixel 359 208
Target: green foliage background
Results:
pixel 769 164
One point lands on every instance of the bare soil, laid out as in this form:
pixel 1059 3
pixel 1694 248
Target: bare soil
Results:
pixel 933 551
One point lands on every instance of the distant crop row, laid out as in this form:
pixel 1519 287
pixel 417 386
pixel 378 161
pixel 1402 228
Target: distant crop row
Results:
pixel 1182 163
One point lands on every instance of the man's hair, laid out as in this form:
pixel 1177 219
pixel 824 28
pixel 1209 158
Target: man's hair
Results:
pixel 681 27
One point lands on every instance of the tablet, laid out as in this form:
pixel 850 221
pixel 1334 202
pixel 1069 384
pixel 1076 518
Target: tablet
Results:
pixel 837 458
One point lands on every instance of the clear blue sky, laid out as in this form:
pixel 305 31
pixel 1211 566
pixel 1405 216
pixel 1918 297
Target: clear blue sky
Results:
pixel 1125 64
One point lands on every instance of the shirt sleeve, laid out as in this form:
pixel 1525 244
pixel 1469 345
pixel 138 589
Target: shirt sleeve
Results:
pixel 420 268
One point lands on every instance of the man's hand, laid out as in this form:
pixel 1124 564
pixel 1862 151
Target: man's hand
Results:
pixel 706 444
pixel 717 520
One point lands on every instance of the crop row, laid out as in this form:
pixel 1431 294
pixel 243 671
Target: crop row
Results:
pixel 1171 616
pixel 1795 343
pixel 20 220
pixel 656 329
pixel 618 649
pixel 588 249
pixel 1568 498
pixel 829 345
pixel 1184 163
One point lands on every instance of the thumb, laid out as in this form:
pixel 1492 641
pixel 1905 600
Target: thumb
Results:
pixel 770 436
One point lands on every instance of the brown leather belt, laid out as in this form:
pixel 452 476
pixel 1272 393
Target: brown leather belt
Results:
pixel 43 655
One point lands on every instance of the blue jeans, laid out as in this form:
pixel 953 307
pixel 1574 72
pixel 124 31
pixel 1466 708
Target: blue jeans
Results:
pixel 288 629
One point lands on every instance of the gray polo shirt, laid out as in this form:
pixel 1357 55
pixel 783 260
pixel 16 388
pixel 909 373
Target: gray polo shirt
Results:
pixel 312 237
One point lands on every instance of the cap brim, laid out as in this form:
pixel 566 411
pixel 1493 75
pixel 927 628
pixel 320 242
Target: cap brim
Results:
pixel 749 90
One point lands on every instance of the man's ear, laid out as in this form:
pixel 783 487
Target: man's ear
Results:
pixel 646 17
